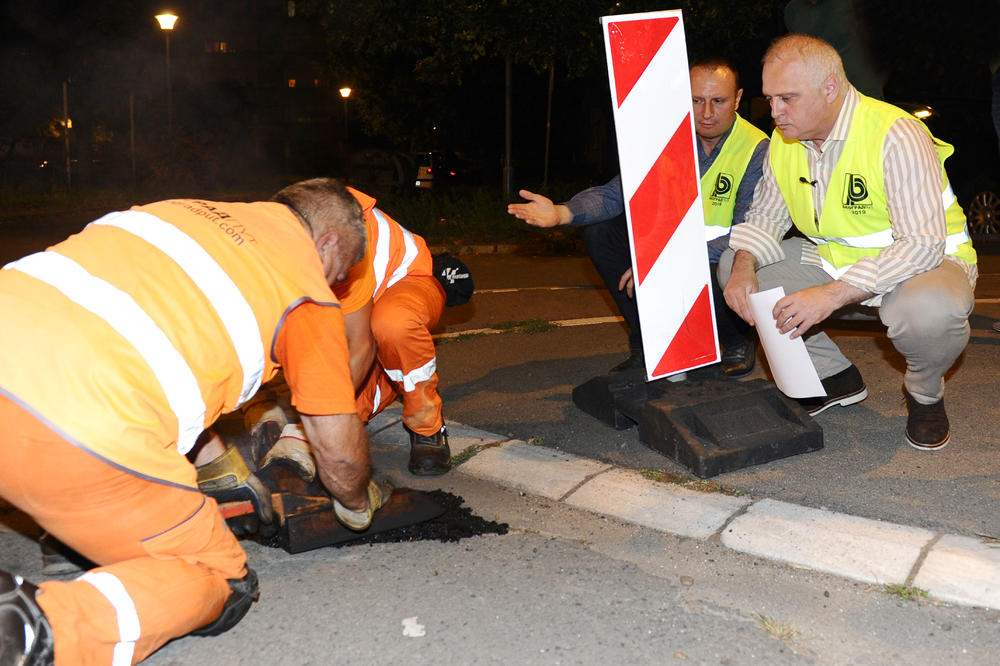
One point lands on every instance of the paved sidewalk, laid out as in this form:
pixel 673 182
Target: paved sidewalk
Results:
pixel 948 567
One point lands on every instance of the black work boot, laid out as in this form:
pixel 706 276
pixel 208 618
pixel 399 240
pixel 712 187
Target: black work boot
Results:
pixel 25 632
pixel 429 455
pixel 244 592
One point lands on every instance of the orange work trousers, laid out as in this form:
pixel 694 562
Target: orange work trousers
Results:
pixel 164 552
pixel 401 323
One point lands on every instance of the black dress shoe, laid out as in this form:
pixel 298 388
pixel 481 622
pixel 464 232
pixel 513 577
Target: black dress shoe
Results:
pixel 927 426
pixel 739 361
pixel 844 388
pixel 634 360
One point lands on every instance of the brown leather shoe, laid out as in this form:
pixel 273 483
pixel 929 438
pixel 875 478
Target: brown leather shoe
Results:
pixel 429 455
pixel 927 426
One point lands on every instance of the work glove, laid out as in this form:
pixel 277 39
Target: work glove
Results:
pixel 227 479
pixel 292 450
pixel 379 493
pixel 263 418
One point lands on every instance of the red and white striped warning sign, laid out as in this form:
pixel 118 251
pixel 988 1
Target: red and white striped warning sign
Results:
pixel 651 95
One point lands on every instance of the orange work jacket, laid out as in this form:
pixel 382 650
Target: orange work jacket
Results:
pixel 393 253
pixel 132 336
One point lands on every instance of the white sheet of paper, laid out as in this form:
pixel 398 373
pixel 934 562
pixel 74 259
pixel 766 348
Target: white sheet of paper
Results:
pixel 788 359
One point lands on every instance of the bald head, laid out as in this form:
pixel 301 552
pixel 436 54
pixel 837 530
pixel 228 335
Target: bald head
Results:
pixel 821 60
pixel 803 79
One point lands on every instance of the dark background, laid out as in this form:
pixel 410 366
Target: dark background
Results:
pixel 427 75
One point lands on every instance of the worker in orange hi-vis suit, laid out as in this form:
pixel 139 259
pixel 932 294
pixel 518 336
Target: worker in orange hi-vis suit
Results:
pixel 391 300
pixel 119 346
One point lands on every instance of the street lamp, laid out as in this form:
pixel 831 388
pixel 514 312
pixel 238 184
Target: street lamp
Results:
pixel 345 92
pixel 167 21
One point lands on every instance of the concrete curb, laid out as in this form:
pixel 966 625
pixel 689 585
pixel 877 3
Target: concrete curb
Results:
pixel 949 567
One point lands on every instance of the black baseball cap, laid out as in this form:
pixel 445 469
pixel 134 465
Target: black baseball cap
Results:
pixel 455 277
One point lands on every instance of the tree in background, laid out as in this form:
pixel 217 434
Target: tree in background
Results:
pixel 430 74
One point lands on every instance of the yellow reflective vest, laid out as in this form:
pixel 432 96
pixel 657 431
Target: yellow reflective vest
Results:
pixel 131 337
pixel 722 180
pixel 855 221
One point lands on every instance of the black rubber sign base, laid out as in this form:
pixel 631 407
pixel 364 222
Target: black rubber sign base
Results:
pixel 708 423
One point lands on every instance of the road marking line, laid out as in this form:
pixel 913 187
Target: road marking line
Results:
pixel 511 290
pixel 588 321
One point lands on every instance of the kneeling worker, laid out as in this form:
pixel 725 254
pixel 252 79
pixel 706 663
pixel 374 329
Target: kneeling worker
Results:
pixel 391 300
pixel 124 342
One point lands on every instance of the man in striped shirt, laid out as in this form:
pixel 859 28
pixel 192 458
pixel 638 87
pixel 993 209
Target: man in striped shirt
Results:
pixel 864 182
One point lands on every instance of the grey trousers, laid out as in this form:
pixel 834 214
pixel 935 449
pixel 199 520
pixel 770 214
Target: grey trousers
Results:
pixel 926 318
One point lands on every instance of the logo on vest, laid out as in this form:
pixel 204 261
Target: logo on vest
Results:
pixel 855 198
pixel 723 188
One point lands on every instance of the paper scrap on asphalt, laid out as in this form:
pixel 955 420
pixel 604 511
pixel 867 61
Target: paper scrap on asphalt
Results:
pixel 788 358
pixel 412 628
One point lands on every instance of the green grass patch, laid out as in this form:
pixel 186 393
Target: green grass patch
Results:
pixel 456 215
pixel 471 451
pixel 478 214
pixel 688 482
pixel 462 456
pixel 907 592
pixel 989 539
pixel 783 631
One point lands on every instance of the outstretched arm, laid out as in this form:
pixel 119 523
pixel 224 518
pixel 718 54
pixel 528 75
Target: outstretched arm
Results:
pixel 540 211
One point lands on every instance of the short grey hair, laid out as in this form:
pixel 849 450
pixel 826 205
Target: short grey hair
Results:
pixel 820 58
pixel 324 204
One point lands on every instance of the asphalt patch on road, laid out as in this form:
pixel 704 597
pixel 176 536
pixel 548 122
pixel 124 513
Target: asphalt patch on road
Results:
pixel 456 523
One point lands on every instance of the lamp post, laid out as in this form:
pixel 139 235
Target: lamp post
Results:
pixel 167 21
pixel 345 92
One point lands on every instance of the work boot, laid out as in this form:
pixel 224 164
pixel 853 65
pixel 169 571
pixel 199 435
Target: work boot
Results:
pixel 429 455
pixel 927 427
pixel 844 388
pixel 244 591
pixel 25 632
